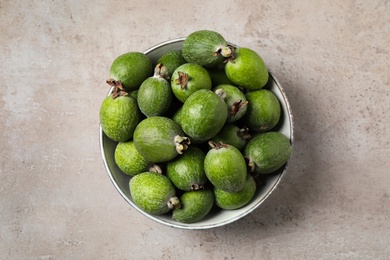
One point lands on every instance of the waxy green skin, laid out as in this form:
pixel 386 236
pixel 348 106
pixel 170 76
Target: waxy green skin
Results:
pixel 199 47
pixel 186 171
pixel 195 205
pixel 230 134
pixel 235 200
pixel 218 77
pixel 154 96
pixel 226 168
pixel 263 112
pixel 154 138
pixel 129 160
pixel 232 95
pixel 170 61
pixel 203 115
pixel 119 117
pixel 198 79
pixel 268 151
pixel 131 69
pixel 247 70
pixel 151 192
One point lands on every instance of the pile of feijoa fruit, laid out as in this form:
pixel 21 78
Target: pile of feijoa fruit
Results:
pixel 195 129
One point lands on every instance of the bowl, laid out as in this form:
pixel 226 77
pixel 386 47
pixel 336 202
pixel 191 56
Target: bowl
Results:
pixel 216 217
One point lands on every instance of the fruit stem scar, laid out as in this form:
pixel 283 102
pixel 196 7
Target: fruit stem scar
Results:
pixel 196 186
pixel 155 168
pixel 251 164
pixel 221 93
pixel 182 80
pixel 181 143
pixel 118 88
pixel 159 71
pixel 244 133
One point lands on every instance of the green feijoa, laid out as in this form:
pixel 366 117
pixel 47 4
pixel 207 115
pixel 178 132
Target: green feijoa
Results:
pixel 131 69
pixel 218 77
pixel 170 61
pixel 155 95
pixel 186 171
pixel 225 167
pixel 134 94
pixel 130 161
pixel 263 110
pixel 203 115
pixel 206 48
pixel 195 205
pixel 159 139
pixel 119 116
pixel 247 69
pixel 235 200
pixel 232 135
pixel 153 193
pixel 235 100
pixel 187 79
pixel 176 117
pixel 267 152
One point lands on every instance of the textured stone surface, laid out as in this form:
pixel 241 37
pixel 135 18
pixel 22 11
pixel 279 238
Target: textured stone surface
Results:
pixel 332 57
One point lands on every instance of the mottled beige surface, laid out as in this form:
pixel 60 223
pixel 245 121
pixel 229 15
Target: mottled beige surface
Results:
pixel 333 59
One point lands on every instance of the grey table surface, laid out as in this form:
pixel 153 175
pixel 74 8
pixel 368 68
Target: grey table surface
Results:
pixel 332 58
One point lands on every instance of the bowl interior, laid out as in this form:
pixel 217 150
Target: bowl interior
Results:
pixel 216 217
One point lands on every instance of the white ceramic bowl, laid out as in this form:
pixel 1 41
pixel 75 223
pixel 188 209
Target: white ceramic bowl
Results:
pixel 216 217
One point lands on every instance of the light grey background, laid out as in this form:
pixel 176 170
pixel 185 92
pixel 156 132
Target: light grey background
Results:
pixel 332 58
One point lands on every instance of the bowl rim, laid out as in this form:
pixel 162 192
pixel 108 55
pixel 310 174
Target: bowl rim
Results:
pixel 196 226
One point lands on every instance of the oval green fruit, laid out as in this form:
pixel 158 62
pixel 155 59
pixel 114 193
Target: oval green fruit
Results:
pixel 186 171
pixel 170 61
pixel 131 69
pixel 267 152
pixel 206 48
pixel 153 192
pixel 129 160
pixel 203 115
pixel 235 200
pixel 225 167
pixel 119 117
pixel 187 79
pixel 235 100
pixel 155 95
pixel 159 139
pixel 232 135
pixel 247 69
pixel 195 205
pixel 263 112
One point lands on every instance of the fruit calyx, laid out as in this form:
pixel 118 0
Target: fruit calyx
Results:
pixel 244 133
pixel 196 186
pixel 216 146
pixel 182 80
pixel 231 57
pixel 159 71
pixel 174 203
pixel 118 88
pixel 155 168
pixel 251 164
pixel 237 106
pixel 181 143
pixel 225 51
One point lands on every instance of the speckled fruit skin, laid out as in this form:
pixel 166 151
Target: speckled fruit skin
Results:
pixel 269 151
pixel 186 171
pixel 229 134
pixel 198 79
pixel 154 96
pixel 195 205
pixel 199 48
pixel 233 94
pixel 154 138
pixel 151 192
pixel 129 160
pixel 119 117
pixel 131 69
pixel 226 168
pixel 170 61
pixel 263 112
pixel 203 114
pixel 235 200
pixel 248 69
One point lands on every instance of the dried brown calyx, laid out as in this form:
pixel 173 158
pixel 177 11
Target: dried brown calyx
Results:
pixel 237 106
pixel 160 71
pixel 197 187
pixel 244 133
pixel 182 80
pixel 217 146
pixel 182 143
pixel 174 203
pixel 231 57
pixel 118 89
pixel 225 51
